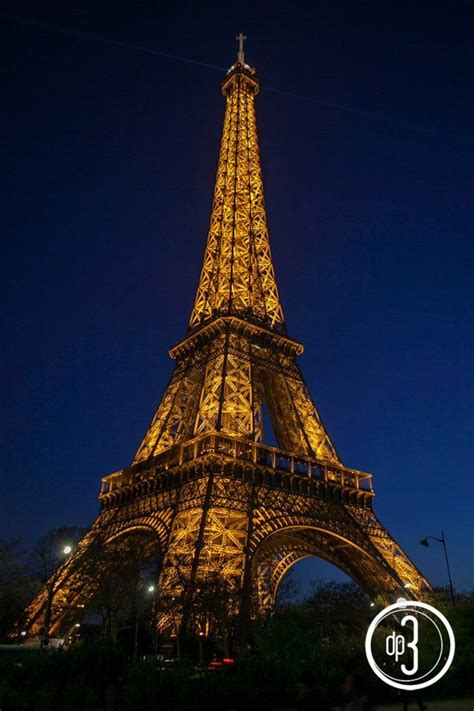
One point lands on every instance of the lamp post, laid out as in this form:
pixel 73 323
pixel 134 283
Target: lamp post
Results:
pixel 201 650
pixel 425 542
pixel 50 592
pixel 137 620
pixel 152 591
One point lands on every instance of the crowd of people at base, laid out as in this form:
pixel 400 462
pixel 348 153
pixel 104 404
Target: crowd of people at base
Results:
pixel 355 695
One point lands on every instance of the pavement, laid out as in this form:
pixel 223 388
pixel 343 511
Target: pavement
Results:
pixel 447 705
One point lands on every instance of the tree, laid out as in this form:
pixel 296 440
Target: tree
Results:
pixel 121 572
pixel 17 586
pixel 338 605
pixel 289 591
pixel 215 605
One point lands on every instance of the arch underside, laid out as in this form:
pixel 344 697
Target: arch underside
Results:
pixel 218 534
pixel 281 550
pixel 81 576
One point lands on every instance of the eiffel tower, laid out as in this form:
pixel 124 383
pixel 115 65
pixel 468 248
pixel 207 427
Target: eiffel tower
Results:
pixel 203 484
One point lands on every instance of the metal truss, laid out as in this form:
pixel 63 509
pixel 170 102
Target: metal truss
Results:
pixel 231 511
pixel 214 499
pixel 237 275
pixel 221 382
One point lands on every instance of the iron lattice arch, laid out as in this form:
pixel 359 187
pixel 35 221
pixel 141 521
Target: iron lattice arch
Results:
pixel 216 500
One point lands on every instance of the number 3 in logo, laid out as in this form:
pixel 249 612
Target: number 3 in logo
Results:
pixel 413 644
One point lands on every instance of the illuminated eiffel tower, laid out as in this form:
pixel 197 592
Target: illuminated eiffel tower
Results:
pixel 202 484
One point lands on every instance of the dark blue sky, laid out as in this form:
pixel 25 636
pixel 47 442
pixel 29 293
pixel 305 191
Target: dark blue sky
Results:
pixel 109 155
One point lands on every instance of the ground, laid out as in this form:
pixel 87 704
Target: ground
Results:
pixel 454 705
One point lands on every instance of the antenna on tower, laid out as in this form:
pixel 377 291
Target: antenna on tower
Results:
pixel 240 55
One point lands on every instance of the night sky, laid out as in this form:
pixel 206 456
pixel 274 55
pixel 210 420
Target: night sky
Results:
pixel 109 156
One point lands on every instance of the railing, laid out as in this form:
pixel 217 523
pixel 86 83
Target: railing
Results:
pixel 243 450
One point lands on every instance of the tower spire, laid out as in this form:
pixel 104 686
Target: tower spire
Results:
pixel 237 276
pixel 240 54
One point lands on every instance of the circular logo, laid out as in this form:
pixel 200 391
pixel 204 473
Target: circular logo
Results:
pixel 410 645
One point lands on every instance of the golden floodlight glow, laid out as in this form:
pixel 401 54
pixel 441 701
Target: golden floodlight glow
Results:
pixel 203 487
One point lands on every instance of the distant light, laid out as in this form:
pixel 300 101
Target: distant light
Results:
pixel 407 586
pixel 67 549
pixel 23 634
pixel 372 604
pixel 151 588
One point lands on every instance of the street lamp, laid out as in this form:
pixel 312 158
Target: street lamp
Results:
pixel 425 542
pixel 151 590
pixel 50 592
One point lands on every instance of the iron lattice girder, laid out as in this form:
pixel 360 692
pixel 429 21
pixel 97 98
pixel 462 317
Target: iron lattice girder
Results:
pixel 215 499
pixel 271 464
pixel 237 275
pixel 240 518
pixel 236 356
pixel 284 551
pixel 223 374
